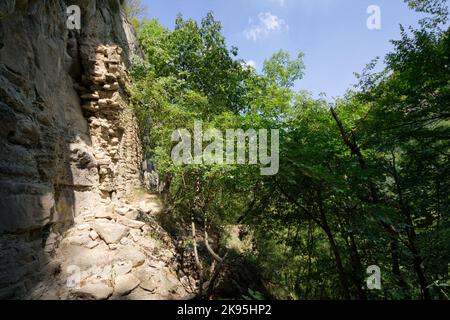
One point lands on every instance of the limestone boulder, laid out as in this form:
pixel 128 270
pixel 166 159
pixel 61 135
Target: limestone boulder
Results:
pixel 123 267
pixel 135 224
pixel 132 254
pixel 125 284
pixel 110 232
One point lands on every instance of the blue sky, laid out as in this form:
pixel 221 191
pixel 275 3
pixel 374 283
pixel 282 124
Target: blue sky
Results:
pixel 331 33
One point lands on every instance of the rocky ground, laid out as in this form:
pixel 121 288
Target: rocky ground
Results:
pixel 111 253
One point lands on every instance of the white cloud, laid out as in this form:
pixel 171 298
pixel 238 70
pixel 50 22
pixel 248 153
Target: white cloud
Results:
pixel 270 21
pixel 267 23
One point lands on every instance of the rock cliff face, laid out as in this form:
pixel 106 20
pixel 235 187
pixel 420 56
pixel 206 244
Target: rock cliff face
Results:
pixel 69 142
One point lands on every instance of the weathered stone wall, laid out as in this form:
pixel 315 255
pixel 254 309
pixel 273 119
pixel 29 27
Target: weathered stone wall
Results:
pixel 116 147
pixel 58 159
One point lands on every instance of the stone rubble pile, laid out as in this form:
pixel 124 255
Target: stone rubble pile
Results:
pixel 115 256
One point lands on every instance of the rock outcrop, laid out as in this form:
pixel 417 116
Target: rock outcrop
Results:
pixel 69 152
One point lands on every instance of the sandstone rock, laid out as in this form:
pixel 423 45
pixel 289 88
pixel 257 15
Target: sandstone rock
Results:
pixel 98 80
pixel 115 141
pixel 101 49
pixel 130 223
pixel 143 272
pixel 90 96
pixel 26 133
pixel 168 285
pixel 125 284
pixel 83 226
pixel 114 104
pixel 49 248
pixel 123 267
pixel 122 211
pixel 104 215
pixel 112 61
pixel 114 86
pixel 148 285
pixel 49 295
pixel 112 246
pixel 51 239
pixel 93 235
pixel 91 244
pixel 134 235
pixel 89 217
pixel 97 291
pixel 110 77
pixel 157 264
pixel 132 214
pixel 90 106
pixel 84 257
pixel 148 243
pixel 113 68
pixel 102 102
pixel 141 294
pixel 136 256
pixel 111 87
pixel 52 267
pixel 27 208
pixel 78 240
pixel 110 232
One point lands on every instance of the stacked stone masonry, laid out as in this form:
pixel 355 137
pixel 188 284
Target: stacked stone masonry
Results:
pixel 112 125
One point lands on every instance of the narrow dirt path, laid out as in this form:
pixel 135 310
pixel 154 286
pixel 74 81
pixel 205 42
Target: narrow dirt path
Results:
pixel 111 253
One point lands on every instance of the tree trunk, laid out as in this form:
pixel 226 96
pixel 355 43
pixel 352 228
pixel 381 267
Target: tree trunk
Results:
pixel 374 199
pixel 412 237
pixel 395 261
pixel 358 268
pixel 334 248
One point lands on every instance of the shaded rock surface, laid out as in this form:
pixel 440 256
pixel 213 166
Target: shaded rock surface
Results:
pixel 96 291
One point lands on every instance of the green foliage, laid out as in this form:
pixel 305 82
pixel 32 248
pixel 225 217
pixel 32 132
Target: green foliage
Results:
pixel 365 184
pixel 283 70
pixel 438 9
pixel 191 75
pixel 253 295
